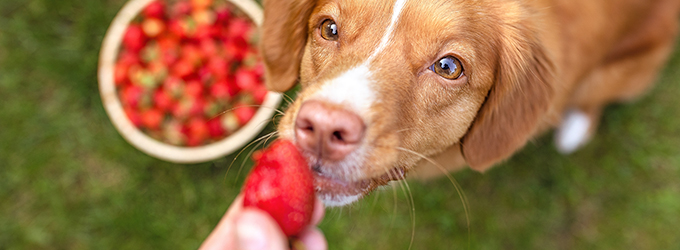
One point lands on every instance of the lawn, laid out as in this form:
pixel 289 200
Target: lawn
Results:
pixel 68 180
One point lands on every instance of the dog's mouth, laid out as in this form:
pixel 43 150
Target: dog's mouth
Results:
pixel 337 192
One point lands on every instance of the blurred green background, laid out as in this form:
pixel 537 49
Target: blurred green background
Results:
pixel 69 181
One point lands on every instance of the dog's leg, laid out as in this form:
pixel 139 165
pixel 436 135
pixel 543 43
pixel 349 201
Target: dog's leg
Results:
pixel 627 73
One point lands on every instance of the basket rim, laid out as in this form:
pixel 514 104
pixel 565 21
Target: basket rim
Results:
pixel 143 142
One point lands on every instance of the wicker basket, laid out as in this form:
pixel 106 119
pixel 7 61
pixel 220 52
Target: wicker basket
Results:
pixel 155 148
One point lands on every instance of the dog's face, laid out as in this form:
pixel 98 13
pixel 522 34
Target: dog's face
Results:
pixel 385 83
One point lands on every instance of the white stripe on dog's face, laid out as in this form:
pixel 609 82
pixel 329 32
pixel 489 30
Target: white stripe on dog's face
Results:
pixel 354 89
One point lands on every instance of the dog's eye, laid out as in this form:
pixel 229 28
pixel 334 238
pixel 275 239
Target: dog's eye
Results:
pixel 329 30
pixel 448 67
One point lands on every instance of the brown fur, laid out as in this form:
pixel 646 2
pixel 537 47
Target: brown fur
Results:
pixel 526 63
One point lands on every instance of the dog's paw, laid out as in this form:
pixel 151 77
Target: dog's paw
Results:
pixel 574 131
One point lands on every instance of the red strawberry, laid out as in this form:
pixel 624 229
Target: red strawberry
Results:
pixel 120 73
pixel 152 118
pixel 222 15
pixel 162 100
pixel 209 47
pixel 194 88
pixel 129 58
pixel 239 28
pixel 134 39
pixel 155 9
pixel 236 48
pixel 281 184
pixel 259 94
pixel 133 115
pixel 220 90
pixel 215 129
pixel 182 69
pixel 192 53
pixel 244 113
pixel 131 96
pixel 247 79
pixel 218 66
pixel 181 8
pixel 197 132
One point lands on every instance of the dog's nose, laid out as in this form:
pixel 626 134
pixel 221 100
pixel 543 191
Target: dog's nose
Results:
pixel 328 131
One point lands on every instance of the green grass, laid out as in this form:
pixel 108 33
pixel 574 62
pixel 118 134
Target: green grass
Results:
pixel 69 181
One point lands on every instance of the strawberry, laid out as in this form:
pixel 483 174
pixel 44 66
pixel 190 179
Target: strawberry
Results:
pixel 218 66
pixel 220 90
pixel 281 184
pixel 162 100
pixel 196 131
pixel 180 8
pixel 155 9
pixel 131 96
pixel 182 69
pixel 244 113
pixel 222 16
pixel 209 48
pixel 120 73
pixel 134 39
pixel 239 28
pixel 194 88
pixel 152 118
pixel 259 94
pixel 247 79
pixel 192 53
pixel 133 115
pixel 215 129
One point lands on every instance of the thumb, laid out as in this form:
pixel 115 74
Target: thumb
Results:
pixel 256 230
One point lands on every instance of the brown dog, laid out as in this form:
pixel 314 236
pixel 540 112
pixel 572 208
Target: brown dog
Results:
pixel 387 83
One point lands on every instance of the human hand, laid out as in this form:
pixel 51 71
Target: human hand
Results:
pixel 253 229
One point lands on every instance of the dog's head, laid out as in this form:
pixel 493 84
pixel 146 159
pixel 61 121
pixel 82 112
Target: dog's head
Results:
pixel 385 83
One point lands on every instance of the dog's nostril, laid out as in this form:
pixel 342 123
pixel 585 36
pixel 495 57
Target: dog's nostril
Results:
pixel 337 135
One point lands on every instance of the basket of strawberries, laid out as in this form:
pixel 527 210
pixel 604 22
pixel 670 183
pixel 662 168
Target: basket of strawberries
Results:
pixel 182 80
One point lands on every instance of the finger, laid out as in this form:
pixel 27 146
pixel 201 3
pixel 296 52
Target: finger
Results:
pixel 223 235
pixel 313 239
pixel 319 211
pixel 256 230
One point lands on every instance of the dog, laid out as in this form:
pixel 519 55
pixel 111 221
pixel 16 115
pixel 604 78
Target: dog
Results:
pixel 388 83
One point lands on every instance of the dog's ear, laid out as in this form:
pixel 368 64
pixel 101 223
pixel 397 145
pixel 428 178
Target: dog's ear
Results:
pixel 515 104
pixel 284 35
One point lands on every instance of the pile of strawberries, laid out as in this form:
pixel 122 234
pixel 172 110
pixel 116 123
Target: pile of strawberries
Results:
pixel 188 72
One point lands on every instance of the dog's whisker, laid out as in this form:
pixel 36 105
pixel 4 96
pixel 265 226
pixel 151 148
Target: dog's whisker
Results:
pixel 412 209
pixel 289 100
pixel 243 163
pixel 255 106
pixel 404 130
pixel 459 189
pixel 243 149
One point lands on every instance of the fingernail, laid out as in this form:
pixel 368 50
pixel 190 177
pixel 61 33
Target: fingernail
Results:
pixel 250 236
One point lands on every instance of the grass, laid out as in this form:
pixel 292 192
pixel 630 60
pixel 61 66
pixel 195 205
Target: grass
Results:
pixel 69 181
